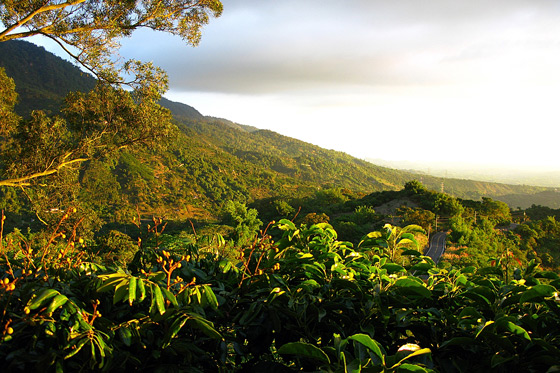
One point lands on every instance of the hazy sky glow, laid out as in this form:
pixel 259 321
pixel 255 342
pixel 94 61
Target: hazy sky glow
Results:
pixel 462 80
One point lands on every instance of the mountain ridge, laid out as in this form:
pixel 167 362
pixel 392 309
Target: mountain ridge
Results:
pixel 215 159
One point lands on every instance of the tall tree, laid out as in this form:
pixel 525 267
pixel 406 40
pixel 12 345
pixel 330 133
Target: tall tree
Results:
pixel 108 118
pixel 95 124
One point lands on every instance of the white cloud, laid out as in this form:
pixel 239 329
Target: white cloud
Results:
pixel 471 73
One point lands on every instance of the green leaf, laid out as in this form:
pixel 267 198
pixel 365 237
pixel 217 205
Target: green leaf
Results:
pixel 411 252
pixel 76 345
pixel 303 349
pixel 422 351
pixel 174 329
pixel 537 292
pixel 112 280
pixel 547 274
pixel 312 270
pixel 410 286
pixel 132 290
pixel 141 288
pixel 458 341
pixel 370 344
pixel 205 326
pixel 509 326
pixel 470 312
pixel 170 297
pixel 469 269
pixel 209 297
pixel 423 267
pixel 57 301
pixel 393 267
pixel 498 360
pixel 121 291
pixel 285 224
pixel 308 285
pixel 158 297
pixel 405 368
pixel 42 298
pixel 126 335
pixel 253 311
pixel 489 325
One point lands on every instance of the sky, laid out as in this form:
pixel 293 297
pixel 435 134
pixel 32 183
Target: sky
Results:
pixel 466 81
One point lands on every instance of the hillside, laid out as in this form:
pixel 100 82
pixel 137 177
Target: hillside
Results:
pixel 212 160
pixel 42 79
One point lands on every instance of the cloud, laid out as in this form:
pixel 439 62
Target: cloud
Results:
pixel 278 47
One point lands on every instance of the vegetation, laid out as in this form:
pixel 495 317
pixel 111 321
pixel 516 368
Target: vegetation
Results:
pixel 306 302
pixel 339 283
pixel 89 31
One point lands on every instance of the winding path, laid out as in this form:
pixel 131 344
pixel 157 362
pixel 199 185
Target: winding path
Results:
pixel 437 246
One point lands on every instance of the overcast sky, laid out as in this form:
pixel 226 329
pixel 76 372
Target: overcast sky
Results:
pixel 455 80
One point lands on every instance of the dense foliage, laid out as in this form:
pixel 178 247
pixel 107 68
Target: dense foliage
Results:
pixel 338 284
pixel 305 302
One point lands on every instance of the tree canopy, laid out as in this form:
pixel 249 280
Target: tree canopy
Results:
pixel 90 30
pixel 108 118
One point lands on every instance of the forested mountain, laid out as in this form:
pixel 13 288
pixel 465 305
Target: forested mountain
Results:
pixel 42 79
pixel 208 160
pixel 114 278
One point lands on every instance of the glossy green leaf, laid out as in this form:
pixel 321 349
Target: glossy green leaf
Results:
pixel 174 329
pixel 209 297
pixel 548 275
pixel 508 326
pixel 121 291
pixel 285 224
pixel 393 268
pixel 537 292
pixel 422 267
pixel 411 287
pixel 158 298
pixel 422 351
pixel 303 349
pixel 42 298
pixel 132 290
pixel 56 302
pixel 370 344
pixel 411 252
pixel 110 282
pixel 488 327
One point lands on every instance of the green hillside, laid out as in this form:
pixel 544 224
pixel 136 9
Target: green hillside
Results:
pixel 42 79
pixel 160 257
pixel 209 161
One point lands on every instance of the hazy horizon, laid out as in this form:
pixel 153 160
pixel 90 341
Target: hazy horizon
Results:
pixel 537 176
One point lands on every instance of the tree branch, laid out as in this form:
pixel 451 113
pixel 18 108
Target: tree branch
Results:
pixel 25 180
pixel 45 8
